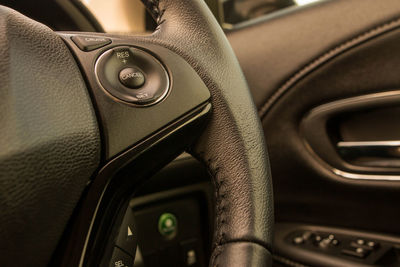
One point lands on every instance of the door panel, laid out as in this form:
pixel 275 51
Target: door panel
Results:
pixel 306 189
pixel 304 60
pixel 272 50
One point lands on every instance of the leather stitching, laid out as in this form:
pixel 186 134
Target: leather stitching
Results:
pixel 323 59
pixel 214 170
pixel 153 6
pixel 220 208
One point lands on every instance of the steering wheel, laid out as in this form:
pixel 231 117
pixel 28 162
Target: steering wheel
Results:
pixel 77 109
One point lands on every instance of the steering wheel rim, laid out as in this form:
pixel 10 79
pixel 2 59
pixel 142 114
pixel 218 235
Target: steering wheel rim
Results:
pixel 232 146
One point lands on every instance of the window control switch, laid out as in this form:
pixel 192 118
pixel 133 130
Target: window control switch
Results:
pixel 358 252
pixel 367 245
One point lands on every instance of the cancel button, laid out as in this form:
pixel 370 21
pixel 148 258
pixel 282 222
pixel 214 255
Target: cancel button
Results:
pixel 132 78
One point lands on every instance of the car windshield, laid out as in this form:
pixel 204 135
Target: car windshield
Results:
pixel 121 16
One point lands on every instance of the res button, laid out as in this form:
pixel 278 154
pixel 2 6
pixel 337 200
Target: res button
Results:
pixel 132 78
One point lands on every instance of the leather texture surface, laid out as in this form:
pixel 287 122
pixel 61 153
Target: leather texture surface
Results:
pixel 308 190
pixel 272 50
pixel 298 59
pixel 243 254
pixel 232 147
pixel 49 139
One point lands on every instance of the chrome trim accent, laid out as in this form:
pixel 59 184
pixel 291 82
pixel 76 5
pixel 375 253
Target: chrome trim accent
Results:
pixel 370 177
pixel 368 143
pixel 384 154
pixel 313 124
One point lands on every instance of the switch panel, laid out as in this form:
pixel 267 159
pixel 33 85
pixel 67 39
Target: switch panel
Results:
pixel 352 248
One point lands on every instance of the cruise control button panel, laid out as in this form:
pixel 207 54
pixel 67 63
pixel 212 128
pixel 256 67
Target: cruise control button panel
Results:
pixel 89 43
pixel 133 76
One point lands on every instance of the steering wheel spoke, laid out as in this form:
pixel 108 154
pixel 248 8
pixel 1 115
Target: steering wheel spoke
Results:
pixel 172 89
pixel 103 123
pixel 143 134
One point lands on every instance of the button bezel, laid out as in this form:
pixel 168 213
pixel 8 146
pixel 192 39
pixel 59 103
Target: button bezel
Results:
pixel 110 63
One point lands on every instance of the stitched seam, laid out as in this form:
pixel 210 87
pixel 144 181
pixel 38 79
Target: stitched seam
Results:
pixel 287 261
pixel 153 6
pixel 221 248
pixel 220 210
pixel 323 59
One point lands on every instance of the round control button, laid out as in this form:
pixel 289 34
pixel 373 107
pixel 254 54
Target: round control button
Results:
pixel 132 78
pixel 168 225
pixel 132 75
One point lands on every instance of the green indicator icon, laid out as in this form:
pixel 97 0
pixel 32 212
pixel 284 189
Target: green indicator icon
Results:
pixel 168 225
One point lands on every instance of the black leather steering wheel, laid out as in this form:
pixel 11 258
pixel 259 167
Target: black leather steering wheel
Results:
pixel 64 137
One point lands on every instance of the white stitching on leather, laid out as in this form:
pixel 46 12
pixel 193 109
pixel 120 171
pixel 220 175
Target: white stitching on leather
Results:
pixel 323 59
